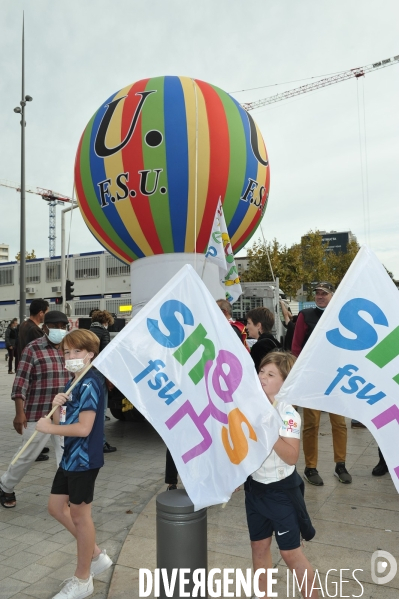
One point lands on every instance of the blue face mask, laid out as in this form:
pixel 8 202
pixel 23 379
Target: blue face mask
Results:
pixel 56 335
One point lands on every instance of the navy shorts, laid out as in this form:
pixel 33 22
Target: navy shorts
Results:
pixel 272 511
pixel 79 486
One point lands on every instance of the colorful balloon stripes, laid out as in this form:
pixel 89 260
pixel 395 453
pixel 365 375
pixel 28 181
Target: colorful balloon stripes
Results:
pixel 154 160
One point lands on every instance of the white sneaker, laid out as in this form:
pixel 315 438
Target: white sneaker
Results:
pixel 76 589
pixel 101 563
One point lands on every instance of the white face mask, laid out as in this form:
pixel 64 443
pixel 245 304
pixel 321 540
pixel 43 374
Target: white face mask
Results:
pixel 56 335
pixel 75 365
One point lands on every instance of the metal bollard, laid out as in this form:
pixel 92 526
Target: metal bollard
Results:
pixel 181 537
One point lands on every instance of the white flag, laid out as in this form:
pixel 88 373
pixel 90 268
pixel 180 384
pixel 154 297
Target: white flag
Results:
pixel 350 365
pixel 220 252
pixel 184 368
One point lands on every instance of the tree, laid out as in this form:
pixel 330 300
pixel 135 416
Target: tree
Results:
pixel 286 264
pixel 339 263
pixel 304 263
pixel 29 255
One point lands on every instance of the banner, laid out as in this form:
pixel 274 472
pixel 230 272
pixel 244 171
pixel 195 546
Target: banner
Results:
pixel 350 365
pixel 221 253
pixel 184 368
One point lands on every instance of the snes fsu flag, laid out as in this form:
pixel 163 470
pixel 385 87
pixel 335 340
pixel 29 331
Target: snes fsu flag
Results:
pixel 184 368
pixel 350 365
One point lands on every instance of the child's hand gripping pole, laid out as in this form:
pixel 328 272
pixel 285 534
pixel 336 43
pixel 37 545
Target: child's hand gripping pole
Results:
pixel 86 369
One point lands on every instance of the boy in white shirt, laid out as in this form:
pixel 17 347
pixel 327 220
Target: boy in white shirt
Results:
pixel 274 493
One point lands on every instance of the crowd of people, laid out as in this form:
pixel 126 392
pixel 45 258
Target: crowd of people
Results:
pixel 52 370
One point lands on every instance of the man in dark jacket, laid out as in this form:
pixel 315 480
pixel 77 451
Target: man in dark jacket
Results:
pixel 30 329
pixel 10 338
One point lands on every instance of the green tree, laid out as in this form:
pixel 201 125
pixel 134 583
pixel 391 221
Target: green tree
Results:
pixel 304 263
pixel 339 263
pixel 315 259
pixel 286 264
pixel 29 255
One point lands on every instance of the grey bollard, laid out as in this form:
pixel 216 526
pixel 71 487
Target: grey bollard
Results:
pixel 181 537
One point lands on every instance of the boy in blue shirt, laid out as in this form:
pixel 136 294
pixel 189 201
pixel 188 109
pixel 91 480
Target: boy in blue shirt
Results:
pixel 80 420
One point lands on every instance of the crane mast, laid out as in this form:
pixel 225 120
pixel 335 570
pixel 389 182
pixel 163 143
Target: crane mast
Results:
pixel 309 87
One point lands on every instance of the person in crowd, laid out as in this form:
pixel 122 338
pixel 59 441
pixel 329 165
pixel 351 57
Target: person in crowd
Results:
pixel 170 472
pixel 289 323
pixel 305 325
pixel 100 321
pixel 260 322
pixel 79 419
pixel 31 328
pixel 28 331
pixel 40 376
pixel 10 338
pixel 381 467
pixel 238 327
pixel 274 494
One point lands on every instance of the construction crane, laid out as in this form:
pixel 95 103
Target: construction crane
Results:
pixel 53 198
pixel 337 78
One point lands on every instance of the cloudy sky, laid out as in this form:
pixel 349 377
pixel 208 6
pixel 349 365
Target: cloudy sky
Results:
pixel 79 52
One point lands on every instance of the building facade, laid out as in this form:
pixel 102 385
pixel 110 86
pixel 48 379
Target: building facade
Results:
pixel 4 252
pixel 100 281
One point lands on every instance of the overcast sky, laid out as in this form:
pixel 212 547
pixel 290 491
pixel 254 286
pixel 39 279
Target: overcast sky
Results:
pixel 79 52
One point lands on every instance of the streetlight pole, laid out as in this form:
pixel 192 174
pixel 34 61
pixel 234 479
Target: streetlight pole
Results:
pixel 22 261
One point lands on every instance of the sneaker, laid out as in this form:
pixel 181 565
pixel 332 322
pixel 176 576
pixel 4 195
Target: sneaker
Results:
pixel 380 469
pixel 42 457
pixel 107 448
pixel 100 563
pixel 171 487
pixel 76 589
pixel 342 474
pixel 313 477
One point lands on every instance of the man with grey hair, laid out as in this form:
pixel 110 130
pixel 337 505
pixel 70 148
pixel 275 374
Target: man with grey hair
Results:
pixel 305 325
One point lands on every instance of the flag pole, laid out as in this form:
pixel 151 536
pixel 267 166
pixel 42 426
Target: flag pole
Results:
pixel 22 450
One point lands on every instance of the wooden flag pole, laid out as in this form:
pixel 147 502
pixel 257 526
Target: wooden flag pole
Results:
pixel 21 451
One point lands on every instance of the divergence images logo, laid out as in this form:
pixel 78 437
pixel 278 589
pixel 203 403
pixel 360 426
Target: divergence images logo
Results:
pixel 379 564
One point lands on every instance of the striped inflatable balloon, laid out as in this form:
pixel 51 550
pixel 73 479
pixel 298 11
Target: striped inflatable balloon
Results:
pixel 156 157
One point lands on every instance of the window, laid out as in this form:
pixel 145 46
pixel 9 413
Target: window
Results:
pixel 87 268
pixel 116 268
pixel 112 305
pixel 33 273
pixel 53 271
pixel 84 307
pixel 7 275
pixel 53 306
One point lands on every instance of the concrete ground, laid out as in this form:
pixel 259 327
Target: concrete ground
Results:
pixel 36 554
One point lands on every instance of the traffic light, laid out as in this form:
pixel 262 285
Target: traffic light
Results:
pixel 69 290
pixel 58 301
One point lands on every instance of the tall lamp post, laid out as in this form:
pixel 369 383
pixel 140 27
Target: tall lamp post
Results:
pixel 22 263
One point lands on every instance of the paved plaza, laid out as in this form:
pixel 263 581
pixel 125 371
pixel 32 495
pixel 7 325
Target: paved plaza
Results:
pixel 37 554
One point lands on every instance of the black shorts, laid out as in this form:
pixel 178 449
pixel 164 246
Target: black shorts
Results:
pixel 79 486
pixel 272 511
